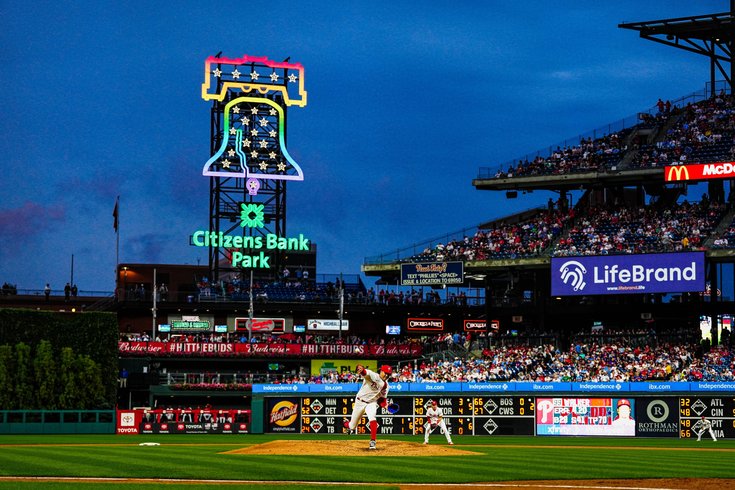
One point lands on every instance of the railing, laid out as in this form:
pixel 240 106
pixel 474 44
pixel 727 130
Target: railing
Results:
pixel 60 292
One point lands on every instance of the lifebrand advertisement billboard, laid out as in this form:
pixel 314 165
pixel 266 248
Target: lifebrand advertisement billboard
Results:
pixel 628 274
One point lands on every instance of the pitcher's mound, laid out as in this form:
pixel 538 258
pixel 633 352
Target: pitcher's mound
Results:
pixel 351 448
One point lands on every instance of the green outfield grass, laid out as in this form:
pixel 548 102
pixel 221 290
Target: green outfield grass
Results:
pixel 498 458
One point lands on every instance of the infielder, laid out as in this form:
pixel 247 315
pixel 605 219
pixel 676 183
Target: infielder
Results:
pixel 704 425
pixel 374 390
pixel 434 419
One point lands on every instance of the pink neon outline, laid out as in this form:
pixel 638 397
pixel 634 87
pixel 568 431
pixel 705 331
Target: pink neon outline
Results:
pixel 249 86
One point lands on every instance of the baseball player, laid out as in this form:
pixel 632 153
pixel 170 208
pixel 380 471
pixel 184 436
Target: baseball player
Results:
pixel 374 390
pixel 704 425
pixel 434 419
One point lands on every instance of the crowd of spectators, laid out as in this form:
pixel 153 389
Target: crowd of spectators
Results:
pixel 581 362
pixel 644 229
pixel 588 156
pixel 703 132
pixel 524 239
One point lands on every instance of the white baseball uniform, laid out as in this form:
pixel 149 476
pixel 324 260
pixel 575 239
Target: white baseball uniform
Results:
pixel 366 401
pixel 435 418
pixel 704 425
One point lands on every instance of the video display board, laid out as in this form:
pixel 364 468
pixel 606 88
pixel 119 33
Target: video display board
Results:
pixel 569 416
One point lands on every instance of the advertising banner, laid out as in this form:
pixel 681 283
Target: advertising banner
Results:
pixel 322 367
pixel 282 415
pixel 699 171
pixel 585 416
pixel 657 417
pixel 432 273
pixel 183 421
pixel 628 274
pixel 273 325
pixel 475 325
pixel 425 324
pixel 224 349
pixel 335 325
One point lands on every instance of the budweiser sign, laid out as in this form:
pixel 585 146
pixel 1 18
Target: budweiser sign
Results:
pixel 699 171
pixel 193 349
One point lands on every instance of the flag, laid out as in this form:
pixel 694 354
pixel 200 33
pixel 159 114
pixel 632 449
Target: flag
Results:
pixel 115 215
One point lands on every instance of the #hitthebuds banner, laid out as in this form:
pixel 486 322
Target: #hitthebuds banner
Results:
pixel 628 274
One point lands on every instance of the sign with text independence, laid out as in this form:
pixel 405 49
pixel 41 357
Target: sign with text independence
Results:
pixel 628 274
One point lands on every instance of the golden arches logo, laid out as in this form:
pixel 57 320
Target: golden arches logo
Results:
pixel 284 413
pixel 679 171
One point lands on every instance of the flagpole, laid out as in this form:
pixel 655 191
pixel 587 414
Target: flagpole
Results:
pixel 116 215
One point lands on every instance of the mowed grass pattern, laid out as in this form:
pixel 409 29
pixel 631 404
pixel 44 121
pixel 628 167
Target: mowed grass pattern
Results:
pixel 498 459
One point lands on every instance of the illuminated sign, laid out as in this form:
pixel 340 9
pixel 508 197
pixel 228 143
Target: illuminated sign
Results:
pixel 700 171
pixel 432 273
pixel 253 134
pixel 177 325
pixel 317 324
pixel 475 325
pixel 628 274
pixel 425 324
pixel 251 216
pixel 275 325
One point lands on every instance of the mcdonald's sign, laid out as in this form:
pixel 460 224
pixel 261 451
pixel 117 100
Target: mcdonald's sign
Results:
pixel 700 171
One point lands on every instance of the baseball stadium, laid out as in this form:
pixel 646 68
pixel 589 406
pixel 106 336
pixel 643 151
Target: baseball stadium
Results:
pixel 583 343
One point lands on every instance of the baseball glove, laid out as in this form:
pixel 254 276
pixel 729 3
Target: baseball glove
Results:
pixel 382 402
pixel 393 408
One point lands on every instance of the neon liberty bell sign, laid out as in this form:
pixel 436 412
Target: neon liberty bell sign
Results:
pixel 253 146
pixel 253 140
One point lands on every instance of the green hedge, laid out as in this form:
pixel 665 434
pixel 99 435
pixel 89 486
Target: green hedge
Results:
pixel 93 334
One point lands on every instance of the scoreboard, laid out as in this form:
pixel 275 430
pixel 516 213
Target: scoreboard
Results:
pixel 463 415
pixel 655 416
pixel 718 410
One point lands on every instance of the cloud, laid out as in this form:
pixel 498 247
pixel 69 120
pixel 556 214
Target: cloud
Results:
pixel 149 247
pixel 28 220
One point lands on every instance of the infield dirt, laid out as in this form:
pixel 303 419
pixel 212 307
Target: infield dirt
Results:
pixel 351 448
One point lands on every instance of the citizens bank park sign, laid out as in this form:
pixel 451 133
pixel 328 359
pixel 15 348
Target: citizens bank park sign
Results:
pixel 699 171
pixel 628 274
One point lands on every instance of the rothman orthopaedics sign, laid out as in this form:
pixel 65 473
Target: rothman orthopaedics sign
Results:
pixel 628 274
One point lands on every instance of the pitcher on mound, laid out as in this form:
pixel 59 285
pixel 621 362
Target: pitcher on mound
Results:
pixel 372 393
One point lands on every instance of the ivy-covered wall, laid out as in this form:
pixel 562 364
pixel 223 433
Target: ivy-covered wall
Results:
pixel 93 335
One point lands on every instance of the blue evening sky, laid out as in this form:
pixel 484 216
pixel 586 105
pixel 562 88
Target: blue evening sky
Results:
pixel 407 100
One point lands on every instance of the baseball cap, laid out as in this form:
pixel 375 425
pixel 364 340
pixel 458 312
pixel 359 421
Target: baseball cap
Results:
pixel 433 402
pixel 386 369
pixel 623 402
